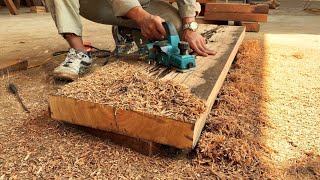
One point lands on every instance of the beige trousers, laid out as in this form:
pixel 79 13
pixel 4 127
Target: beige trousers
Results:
pixel 66 13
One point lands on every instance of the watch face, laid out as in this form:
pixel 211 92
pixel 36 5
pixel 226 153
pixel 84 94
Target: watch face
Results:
pixel 194 25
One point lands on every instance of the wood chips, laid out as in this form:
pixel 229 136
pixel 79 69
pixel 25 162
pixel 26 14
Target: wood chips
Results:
pixel 231 144
pixel 118 84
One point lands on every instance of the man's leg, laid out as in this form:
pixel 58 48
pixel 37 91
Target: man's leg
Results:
pixel 65 14
pixel 100 11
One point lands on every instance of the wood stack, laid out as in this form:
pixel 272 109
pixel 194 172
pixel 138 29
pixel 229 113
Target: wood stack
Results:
pixel 36 6
pixel 37 9
pixel 242 14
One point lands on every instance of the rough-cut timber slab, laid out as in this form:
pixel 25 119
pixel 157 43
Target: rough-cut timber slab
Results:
pixel 237 8
pixel 9 66
pixel 205 82
pixel 250 26
pixel 37 9
pixel 235 17
pixel 143 147
pixel 200 20
pixel 136 124
pixel 11 6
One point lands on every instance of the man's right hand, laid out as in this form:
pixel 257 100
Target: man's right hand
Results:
pixel 150 25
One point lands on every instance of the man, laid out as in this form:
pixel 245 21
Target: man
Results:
pixel 147 15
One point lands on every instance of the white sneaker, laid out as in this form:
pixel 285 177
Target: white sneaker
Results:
pixel 76 63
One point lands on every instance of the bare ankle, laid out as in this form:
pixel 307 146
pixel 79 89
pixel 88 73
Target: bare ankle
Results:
pixel 74 41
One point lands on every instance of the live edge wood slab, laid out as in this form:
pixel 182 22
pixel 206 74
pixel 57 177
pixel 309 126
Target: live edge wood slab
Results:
pixel 205 82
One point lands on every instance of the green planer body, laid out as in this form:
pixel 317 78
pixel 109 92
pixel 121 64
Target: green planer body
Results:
pixel 171 52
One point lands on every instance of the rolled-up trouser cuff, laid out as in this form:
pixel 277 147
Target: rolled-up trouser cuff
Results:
pixel 75 30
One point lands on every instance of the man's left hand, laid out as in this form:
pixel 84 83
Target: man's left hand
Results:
pixel 197 43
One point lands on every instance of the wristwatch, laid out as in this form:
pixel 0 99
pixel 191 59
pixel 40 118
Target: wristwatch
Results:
pixel 193 26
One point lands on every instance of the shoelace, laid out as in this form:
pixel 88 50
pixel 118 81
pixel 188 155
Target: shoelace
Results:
pixel 72 57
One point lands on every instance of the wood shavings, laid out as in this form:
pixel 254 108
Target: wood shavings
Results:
pixel 120 85
pixel 231 142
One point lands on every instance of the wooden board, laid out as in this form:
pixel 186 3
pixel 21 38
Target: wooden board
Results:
pixel 17 3
pixel 11 6
pixel 136 124
pixel 10 66
pixel 37 9
pixel 236 8
pixel 235 17
pixel 205 82
pixel 250 26
pixel 200 20
pixel 142 146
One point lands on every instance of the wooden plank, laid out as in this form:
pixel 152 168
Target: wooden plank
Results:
pixel 250 26
pixel 215 75
pixel 200 20
pixel 28 3
pixel 36 3
pixel 142 146
pixel 12 8
pixel 235 17
pixel 10 66
pixel 205 82
pixel 237 8
pixel 17 3
pixel 136 124
pixel 45 5
pixel 37 9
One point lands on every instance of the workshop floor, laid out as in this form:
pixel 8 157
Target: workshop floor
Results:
pixel 32 144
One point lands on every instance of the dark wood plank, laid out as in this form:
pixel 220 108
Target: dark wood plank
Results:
pixel 235 17
pixel 28 3
pixel 250 26
pixel 17 3
pixel 142 146
pixel 12 8
pixel 135 124
pixel 237 8
pixel 37 9
pixel 10 66
pixel 200 20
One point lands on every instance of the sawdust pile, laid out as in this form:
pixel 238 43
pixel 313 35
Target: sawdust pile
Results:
pixel 231 145
pixel 120 85
pixel 306 168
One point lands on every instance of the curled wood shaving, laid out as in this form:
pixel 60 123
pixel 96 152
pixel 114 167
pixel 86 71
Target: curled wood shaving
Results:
pixel 120 85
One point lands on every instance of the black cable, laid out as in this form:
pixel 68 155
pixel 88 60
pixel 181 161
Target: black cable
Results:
pixel 99 53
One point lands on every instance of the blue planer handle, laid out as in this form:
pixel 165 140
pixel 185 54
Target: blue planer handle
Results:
pixel 172 35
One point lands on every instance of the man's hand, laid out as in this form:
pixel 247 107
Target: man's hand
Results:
pixel 150 25
pixel 197 43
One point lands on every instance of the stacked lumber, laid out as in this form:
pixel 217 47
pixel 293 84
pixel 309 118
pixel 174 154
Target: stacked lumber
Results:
pixel 151 102
pixel 242 14
pixel 37 9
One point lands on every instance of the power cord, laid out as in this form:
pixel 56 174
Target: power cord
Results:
pixel 94 54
